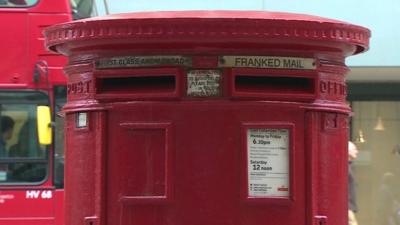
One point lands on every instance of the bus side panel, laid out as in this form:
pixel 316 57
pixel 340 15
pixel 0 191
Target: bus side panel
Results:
pixel 59 207
pixel 29 206
pixel 14 57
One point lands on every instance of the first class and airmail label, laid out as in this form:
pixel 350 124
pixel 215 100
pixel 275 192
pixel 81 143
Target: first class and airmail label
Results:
pixel 143 61
pixel 268 162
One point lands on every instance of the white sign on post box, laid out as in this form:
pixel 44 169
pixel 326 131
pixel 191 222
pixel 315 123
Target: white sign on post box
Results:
pixel 268 162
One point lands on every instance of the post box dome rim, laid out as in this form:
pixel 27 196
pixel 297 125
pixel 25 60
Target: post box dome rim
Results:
pixel 215 14
pixel 179 24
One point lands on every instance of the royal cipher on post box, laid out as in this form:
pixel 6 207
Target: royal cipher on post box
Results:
pixel 206 117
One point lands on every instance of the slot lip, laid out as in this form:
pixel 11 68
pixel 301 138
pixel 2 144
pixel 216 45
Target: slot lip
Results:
pixel 302 96
pixel 174 93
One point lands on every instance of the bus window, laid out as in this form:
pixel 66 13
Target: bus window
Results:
pixel 82 9
pixel 60 97
pixel 17 3
pixel 22 159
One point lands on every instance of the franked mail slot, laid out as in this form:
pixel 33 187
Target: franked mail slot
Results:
pixel 138 84
pixel 273 86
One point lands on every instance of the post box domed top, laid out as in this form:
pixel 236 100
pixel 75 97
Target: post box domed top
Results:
pixel 207 27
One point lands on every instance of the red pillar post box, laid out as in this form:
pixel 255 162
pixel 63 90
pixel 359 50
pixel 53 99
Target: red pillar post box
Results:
pixel 206 117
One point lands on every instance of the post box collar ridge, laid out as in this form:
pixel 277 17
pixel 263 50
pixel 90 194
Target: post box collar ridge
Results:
pixel 210 26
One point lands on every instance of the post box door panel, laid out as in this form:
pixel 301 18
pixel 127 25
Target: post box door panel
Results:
pixel 205 163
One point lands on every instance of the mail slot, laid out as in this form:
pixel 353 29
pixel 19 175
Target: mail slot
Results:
pixel 206 117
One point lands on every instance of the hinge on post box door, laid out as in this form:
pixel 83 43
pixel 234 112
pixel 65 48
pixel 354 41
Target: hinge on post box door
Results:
pixel 320 220
pixel 91 220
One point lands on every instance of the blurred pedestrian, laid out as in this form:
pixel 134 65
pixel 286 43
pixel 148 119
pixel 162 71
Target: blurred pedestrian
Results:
pixel 7 128
pixel 352 203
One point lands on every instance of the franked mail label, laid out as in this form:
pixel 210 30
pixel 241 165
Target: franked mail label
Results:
pixel 268 162
pixel 272 62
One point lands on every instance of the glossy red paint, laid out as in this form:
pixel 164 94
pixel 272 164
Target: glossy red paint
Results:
pixel 22 46
pixel 171 100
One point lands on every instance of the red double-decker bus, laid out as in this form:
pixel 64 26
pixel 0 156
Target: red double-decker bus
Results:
pixel 31 78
